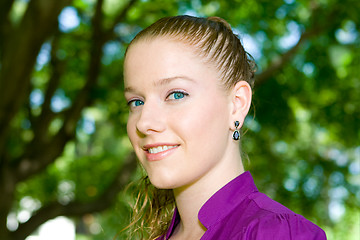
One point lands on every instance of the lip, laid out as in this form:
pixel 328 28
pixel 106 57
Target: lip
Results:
pixel 160 155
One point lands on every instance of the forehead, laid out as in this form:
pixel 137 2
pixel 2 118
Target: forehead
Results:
pixel 161 58
pixel 157 48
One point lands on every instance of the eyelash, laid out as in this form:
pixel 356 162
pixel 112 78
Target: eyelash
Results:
pixel 175 92
pixel 133 101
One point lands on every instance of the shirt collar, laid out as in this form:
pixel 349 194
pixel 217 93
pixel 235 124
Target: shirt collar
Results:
pixel 221 203
pixel 226 199
pixel 174 222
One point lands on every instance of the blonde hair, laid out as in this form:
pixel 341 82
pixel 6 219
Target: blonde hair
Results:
pixel 213 40
pixel 152 211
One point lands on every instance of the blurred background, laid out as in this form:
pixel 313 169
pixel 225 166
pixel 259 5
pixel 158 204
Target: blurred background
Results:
pixel 65 159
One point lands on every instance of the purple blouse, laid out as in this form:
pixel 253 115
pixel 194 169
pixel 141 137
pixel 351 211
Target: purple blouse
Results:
pixel 239 211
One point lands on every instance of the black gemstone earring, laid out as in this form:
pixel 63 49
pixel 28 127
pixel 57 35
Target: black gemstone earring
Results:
pixel 236 134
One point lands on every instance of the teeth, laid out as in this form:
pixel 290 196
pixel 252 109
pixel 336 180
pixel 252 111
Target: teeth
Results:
pixel 160 149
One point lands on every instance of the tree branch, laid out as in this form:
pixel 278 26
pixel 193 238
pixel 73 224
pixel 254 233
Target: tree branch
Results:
pixel 318 26
pixel 34 160
pixel 75 209
pixel 119 18
pixel 5 7
pixel 58 68
pixel 42 122
pixel 5 25
pixel 278 63
pixel 21 49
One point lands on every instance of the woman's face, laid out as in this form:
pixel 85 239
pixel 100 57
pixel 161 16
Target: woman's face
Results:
pixel 179 120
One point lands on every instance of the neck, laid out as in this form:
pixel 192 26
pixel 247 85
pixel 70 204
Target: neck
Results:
pixel 188 203
pixel 190 198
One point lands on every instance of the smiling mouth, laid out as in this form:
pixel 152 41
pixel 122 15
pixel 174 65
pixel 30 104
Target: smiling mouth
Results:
pixel 159 149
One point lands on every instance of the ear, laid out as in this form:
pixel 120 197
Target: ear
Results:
pixel 241 101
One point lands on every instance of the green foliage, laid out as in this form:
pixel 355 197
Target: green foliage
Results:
pixel 303 131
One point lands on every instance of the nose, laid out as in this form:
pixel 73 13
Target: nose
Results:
pixel 151 120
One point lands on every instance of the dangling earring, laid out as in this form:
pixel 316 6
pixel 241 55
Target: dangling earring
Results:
pixel 236 134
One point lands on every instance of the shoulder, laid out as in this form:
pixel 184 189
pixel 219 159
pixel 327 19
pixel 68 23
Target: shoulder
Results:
pixel 268 219
pixel 283 226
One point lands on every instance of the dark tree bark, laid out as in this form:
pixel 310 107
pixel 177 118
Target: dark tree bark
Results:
pixel 77 209
pixel 19 47
pixel 19 51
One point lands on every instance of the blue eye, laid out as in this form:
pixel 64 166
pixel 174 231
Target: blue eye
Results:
pixel 135 103
pixel 177 95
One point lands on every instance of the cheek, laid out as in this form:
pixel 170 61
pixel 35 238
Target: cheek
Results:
pixel 203 121
pixel 131 129
pixel 134 138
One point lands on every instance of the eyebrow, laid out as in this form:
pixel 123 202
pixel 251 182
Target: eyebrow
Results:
pixel 162 82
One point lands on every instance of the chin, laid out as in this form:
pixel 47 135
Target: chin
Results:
pixel 162 183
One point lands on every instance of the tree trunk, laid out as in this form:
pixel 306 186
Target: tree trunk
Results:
pixel 7 188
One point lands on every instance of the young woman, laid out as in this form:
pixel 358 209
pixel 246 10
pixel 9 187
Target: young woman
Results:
pixel 188 85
